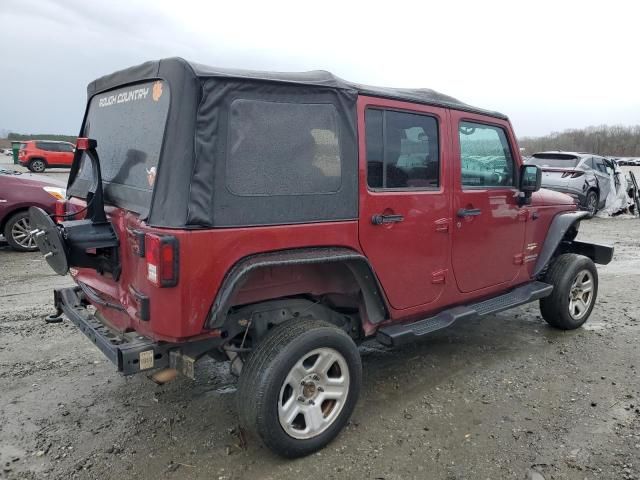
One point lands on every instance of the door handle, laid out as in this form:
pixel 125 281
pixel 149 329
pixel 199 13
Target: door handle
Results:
pixel 382 219
pixel 468 212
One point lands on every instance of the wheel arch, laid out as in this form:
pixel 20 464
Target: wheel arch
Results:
pixel 558 240
pixel 357 264
pixel 9 215
pixel 38 157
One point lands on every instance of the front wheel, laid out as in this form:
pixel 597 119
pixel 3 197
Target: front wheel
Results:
pixel 17 233
pixel 299 387
pixel 575 288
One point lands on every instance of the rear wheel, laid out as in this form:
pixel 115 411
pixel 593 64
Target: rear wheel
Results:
pixel 17 232
pixel 575 288
pixel 299 387
pixel 37 165
pixel 591 203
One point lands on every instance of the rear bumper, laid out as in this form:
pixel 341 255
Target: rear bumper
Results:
pixel 130 352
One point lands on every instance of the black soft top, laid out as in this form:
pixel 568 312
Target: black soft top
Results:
pixel 191 187
pixel 318 78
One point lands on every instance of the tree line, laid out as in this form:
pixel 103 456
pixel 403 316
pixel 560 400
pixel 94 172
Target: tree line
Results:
pixel 41 136
pixel 614 141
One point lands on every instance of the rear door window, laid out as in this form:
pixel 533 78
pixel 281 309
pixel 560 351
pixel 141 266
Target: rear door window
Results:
pixel 46 146
pixel 600 165
pixel 402 150
pixel 128 124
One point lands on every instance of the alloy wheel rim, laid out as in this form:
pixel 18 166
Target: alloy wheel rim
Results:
pixel 592 204
pixel 313 393
pixel 21 234
pixel 581 294
pixel 38 166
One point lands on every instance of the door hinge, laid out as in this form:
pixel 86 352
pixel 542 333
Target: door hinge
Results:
pixel 442 225
pixel 523 214
pixel 439 276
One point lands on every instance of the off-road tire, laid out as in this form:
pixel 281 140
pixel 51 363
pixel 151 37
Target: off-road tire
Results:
pixel 266 370
pixel 8 232
pixel 561 274
pixel 37 165
pixel 591 203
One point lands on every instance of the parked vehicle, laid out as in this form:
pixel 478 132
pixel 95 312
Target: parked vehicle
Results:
pixel 581 174
pixel 277 220
pixel 18 192
pixel 38 155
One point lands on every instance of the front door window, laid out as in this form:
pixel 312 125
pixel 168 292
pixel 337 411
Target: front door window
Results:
pixel 485 155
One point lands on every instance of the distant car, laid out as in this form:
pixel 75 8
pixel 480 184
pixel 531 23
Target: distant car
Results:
pixel 583 175
pixel 18 192
pixel 38 155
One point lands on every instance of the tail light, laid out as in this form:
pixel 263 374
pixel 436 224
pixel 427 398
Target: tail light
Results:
pixel 161 252
pixel 575 174
pixel 60 209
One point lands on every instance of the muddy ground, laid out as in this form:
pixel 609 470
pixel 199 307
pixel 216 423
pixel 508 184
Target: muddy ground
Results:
pixel 505 397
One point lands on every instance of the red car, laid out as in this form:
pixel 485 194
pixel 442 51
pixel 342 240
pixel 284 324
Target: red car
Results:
pixel 278 220
pixel 38 155
pixel 18 192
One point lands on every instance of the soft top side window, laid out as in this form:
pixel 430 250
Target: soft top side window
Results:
pixel 402 150
pixel 282 148
pixel 486 159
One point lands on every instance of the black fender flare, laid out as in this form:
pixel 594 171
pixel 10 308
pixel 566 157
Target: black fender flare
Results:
pixel 358 265
pixel 559 225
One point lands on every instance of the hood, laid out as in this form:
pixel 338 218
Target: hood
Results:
pixel 35 179
pixel 545 196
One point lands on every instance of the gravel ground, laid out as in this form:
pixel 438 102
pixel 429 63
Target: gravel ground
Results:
pixel 505 397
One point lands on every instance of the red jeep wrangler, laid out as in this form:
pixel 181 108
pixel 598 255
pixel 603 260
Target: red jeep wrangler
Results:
pixel 277 220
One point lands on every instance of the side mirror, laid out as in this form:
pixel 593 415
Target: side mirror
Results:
pixel 530 179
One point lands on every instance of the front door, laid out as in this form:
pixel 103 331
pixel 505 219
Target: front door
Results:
pixel 404 210
pixel 489 226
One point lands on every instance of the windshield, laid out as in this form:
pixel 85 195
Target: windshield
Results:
pixel 128 124
pixel 554 160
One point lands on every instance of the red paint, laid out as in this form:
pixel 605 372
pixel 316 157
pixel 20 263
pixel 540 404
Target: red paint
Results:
pixel 431 260
pixel 19 192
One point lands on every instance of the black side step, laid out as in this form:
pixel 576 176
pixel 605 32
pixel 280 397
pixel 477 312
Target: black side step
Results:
pixel 395 335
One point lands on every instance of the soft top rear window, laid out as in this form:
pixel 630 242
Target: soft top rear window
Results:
pixel 554 160
pixel 128 124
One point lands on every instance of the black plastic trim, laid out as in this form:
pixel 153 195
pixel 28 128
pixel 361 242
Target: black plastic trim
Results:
pixel 123 349
pixel 357 264
pixel 601 254
pixel 399 334
pixel 559 226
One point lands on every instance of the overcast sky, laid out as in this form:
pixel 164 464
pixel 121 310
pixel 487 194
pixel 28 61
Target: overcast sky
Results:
pixel 549 65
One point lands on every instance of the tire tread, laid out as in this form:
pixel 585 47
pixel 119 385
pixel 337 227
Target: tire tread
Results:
pixel 253 382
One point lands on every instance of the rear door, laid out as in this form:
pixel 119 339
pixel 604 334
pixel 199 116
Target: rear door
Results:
pixel 56 155
pixel 489 229
pixel 66 154
pixel 604 179
pixel 404 208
